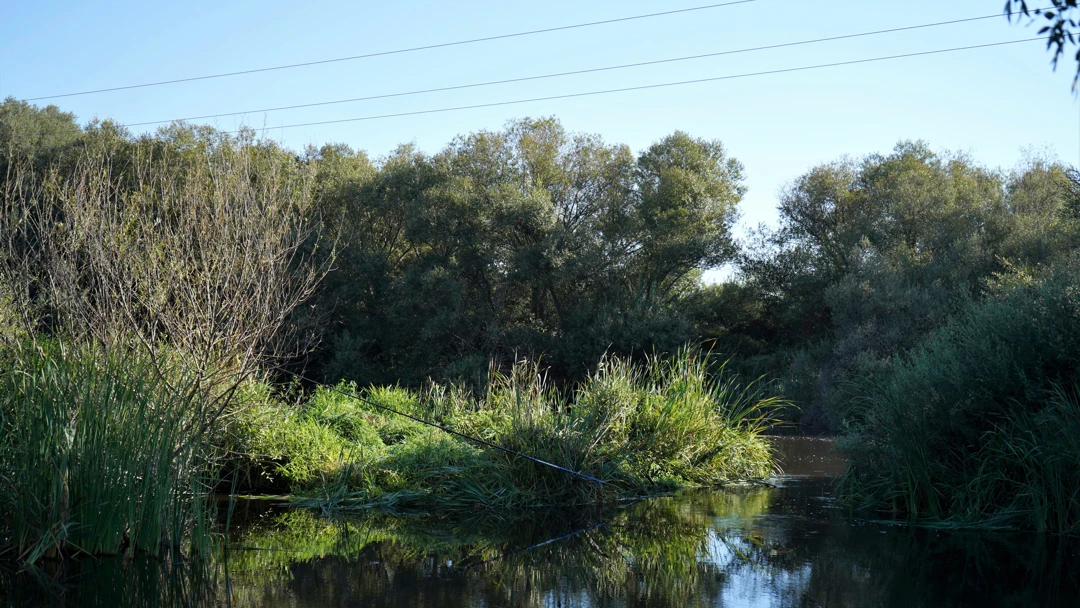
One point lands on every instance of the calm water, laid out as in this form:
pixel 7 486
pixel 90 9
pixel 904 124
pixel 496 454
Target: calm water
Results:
pixel 787 544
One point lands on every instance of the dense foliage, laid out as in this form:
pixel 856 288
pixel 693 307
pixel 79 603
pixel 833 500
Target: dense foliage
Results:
pixel 980 425
pixel 916 302
pixel 922 307
pixel 146 281
pixel 525 242
pixel 871 256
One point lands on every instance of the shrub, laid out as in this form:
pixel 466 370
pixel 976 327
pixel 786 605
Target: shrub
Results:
pixel 961 430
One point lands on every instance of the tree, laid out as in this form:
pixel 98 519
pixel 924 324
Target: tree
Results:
pixel 525 241
pixel 40 135
pixel 872 255
pixel 186 246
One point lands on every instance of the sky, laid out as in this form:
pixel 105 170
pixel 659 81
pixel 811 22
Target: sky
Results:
pixel 996 104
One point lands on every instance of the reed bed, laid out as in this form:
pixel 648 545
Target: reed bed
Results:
pixel 980 426
pixel 97 454
pixel 641 429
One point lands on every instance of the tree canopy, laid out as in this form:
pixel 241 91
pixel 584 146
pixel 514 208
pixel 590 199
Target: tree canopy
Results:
pixel 530 240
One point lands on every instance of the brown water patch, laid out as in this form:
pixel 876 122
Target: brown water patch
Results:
pixel 807 457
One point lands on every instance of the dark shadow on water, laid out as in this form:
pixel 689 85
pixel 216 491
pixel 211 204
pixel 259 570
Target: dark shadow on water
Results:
pixel 790 544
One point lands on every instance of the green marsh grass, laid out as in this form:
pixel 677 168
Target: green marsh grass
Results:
pixel 980 426
pixel 642 429
pixel 97 456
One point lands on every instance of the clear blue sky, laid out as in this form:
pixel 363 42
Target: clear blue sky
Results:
pixel 991 103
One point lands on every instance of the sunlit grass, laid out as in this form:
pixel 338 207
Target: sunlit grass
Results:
pixel 641 429
pixel 97 453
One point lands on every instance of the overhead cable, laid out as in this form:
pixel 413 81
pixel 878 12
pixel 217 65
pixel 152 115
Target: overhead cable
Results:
pixel 395 51
pixel 569 73
pixel 650 86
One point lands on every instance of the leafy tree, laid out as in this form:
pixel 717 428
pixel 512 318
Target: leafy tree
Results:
pixel 872 255
pixel 529 240
pixel 40 134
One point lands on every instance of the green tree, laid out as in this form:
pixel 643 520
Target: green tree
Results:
pixel 40 135
pixel 530 241
pixel 872 255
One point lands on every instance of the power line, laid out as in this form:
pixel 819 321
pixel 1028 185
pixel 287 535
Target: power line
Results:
pixel 651 86
pixel 398 51
pixel 573 72
pixel 478 440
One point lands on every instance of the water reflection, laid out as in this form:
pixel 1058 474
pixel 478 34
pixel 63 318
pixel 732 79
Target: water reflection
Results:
pixel 790 544
pixel 802 457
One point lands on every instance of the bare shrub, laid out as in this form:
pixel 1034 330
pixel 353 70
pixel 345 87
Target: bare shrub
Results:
pixel 189 245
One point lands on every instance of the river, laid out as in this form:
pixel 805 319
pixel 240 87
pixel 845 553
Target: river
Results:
pixel 786 543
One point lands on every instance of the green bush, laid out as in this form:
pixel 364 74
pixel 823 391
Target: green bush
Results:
pixel 974 426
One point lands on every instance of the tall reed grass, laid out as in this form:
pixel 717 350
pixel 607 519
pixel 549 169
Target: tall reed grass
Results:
pixel 980 425
pixel 97 454
pixel 1024 472
pixel 642 429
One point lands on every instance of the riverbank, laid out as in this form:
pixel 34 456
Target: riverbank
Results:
pixel 101 455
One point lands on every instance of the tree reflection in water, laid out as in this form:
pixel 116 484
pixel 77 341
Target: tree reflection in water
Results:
pixel 790 545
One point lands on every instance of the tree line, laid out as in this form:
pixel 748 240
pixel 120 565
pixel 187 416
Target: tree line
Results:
pixel 535 242
pixel 917 303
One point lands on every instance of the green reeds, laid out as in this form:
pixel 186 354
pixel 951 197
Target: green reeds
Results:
pixel 1027 475
pixel 980 425
pixel 99 454
pixel 1024 473
pixel 643 429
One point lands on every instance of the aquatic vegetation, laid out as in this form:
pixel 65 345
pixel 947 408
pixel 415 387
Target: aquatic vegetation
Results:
pixel 97 453
pixel 640 429
pixel 981 425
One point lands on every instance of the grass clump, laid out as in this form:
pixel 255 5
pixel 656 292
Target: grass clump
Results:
pixel 277 446
pixel 641 429
pixel 980 425
pixel 97 453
